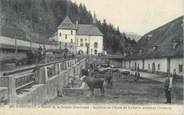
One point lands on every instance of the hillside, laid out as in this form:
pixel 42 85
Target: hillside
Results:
pixel 33 19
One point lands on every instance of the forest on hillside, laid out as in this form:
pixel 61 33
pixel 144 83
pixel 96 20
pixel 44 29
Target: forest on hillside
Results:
pixel 28 19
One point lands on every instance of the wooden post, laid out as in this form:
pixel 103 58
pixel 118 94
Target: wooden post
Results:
pixel 69 63
pixel 42 75
pixel 60 84
pixel 46 74
pixel 12 91
pixel 65 65
pixel 78 71
pixel 75 71
pixel 62 66
pixel 66 75
pixel 59 68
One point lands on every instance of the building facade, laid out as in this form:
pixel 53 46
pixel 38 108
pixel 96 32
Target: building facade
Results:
pixel 80 38
pixel 161 50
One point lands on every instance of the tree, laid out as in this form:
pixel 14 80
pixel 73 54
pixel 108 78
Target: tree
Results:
pixel 46 15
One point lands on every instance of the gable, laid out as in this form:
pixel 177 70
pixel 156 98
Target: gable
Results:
pixel 66 24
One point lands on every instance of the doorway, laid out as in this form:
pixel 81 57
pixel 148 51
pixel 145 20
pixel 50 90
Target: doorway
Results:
pixel 153 67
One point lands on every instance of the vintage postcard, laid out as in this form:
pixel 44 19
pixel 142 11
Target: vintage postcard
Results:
pixel 91 57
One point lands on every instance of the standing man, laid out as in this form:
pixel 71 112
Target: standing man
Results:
pixel 84 74
pixel 44 54
pixel 137 74
pixel 168 86
pixel 39 54
pixel 174 75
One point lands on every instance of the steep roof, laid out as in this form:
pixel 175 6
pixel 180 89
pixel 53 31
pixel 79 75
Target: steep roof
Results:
pixel 67 24
pixel 82 29
pixel 87 29
pixel 159 42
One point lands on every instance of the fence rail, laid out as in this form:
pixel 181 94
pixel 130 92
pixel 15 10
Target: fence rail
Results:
pixel 27 75
pixel 19 79
pixel 24 80
pixel 31 67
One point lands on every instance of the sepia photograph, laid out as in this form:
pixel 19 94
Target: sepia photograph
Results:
pixel 124 55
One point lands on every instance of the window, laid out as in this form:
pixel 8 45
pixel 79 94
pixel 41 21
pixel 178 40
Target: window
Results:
pixel 60 34
pixel 149 36
pixel 71 32
pixel 148 66
pixel 60 45
pixel 86 39
pixel 81 44
pixel 95 51
pixel 95 45
pixel 87 45
pixel 154 48
pixel 81 40
pixel 77 40
pixel 65 44
pixel 71 40
pixel 175 44
pixel 132 65
pixel 158 66
pixel 180 67
pixel 65 36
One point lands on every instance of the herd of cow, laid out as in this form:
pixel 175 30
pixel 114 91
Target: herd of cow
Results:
pixel 97 77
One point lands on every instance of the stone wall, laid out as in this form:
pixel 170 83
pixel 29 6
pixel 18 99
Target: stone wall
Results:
pixel 45 88
pixel 3 95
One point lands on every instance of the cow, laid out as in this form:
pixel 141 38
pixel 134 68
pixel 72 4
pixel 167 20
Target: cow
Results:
pixel 93 83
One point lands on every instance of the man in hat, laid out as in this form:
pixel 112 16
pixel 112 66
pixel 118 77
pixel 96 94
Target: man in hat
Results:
pixel 168 86
pixel 174 75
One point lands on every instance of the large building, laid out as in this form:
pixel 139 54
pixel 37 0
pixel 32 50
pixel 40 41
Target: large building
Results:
pixel 160 50
pixel 80 38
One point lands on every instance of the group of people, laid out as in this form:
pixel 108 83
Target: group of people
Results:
pixel 137 76
pixel 41 52
pixel 35 56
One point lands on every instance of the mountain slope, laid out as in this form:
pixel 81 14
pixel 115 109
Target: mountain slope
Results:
pixel 133 36
pixel 28 19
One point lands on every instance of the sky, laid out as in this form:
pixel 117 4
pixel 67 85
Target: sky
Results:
pixel 137 16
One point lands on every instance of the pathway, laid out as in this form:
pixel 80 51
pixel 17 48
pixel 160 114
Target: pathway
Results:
pixel 155 77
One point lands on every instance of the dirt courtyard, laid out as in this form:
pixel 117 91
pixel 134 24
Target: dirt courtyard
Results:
pixel 125 91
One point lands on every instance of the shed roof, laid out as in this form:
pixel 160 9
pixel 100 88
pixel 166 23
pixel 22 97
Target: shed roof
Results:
pixel 88 29
pixel 82 29
pixel 162 39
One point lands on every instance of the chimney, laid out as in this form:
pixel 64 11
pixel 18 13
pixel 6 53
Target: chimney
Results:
pixel 149 36
pixel 94 19
pixel 77 24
